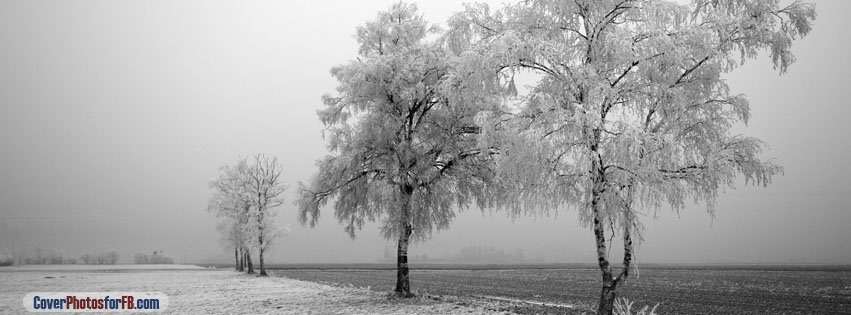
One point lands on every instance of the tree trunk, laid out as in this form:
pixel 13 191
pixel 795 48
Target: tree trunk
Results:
pixel 236 258
pixel 248 259
pixel 607 295
pixel 262 269
pixel 241 259
pixel 244 259
pixel 403 284
pixel 609 291
pixel 262 246
pixel 610 283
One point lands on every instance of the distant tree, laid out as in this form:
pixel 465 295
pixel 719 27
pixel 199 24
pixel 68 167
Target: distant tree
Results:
pixel 54 256
pixel 157 257
pixel 231 201
pixel 111 257
pixel 245 196
pixel 265 188
pixel 630 112
pixel 231 238
pixel 38 256
pixel 100 258
pixel 403 152
pixel 87 258
pixel 6 258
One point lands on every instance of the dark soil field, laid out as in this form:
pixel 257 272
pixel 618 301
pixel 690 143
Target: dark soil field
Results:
pixel 682 289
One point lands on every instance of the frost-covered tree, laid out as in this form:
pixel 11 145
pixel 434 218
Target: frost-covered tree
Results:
pixel 100 258
pixel 630 112
pixel 403 153
pixel 245 196
pixel 264 188
pixel 231 202
pixel 6 257
pixel 156 257
pixel 231 238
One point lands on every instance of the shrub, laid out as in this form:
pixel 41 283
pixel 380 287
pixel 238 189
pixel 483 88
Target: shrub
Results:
pixel 624 307
pixel 6 258
pixel 100 258
pixel 44 257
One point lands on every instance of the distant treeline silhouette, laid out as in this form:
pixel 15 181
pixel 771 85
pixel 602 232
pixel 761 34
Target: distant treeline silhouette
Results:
pixel 157 257
pixel 54 256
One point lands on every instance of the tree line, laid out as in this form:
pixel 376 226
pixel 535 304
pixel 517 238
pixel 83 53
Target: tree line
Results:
pixel 156 257
pixel 628 112
pixel 55 256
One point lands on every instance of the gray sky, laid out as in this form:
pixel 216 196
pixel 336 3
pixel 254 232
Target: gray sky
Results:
pixel 115 115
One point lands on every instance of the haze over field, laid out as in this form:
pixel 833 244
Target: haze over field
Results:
pixel 114 117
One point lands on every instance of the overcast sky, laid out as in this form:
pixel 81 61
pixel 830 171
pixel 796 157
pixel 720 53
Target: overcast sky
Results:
pixel 115 115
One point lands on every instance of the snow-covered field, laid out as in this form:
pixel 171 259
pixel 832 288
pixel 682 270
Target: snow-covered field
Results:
pixel 98 267
pixel 195 290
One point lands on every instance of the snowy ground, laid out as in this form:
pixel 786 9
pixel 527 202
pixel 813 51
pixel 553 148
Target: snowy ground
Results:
pixel 195 290
pixel 97 267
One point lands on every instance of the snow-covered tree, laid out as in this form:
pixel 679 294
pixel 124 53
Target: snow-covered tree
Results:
pixel 403 153
pixel 231 202
pixel 264 187
pixel 245 197
pixel 232 239
pixel 630 112
pixel 156 257
pixel 100 258
pixel 6 257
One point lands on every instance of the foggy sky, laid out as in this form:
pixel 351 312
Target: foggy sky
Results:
pixel 115 115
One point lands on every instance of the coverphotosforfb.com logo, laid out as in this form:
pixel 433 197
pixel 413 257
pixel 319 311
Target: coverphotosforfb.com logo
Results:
pixel 95 301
